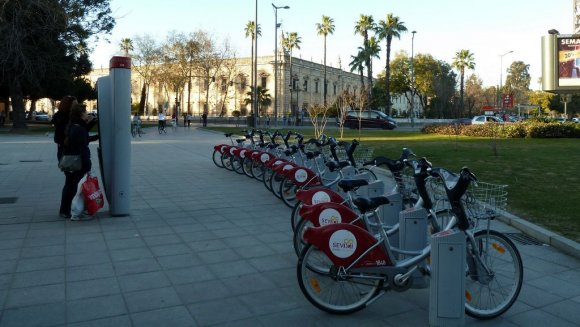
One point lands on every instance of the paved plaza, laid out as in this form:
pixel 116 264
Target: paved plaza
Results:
pixel 203 246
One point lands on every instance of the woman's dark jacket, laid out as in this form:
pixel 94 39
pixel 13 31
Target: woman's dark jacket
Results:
pixel 77 142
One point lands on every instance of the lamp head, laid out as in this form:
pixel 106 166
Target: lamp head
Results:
pixel 553 32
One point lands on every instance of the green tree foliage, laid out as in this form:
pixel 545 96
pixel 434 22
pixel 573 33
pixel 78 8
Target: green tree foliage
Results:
pixel 463 60
pixel 542 99
pixel 518 81
pixel 264 98
pixel 43 46
pixel 386 30
pixel 358 64
pixel 362 27
pixel 289 43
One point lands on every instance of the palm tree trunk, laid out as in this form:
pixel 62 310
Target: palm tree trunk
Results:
pixel 461 92
pixel 388 75
pixel 362 79
pixel 291 86
pixel 324 86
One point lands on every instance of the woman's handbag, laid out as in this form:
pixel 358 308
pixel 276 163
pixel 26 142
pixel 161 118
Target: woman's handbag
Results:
pixel 70 163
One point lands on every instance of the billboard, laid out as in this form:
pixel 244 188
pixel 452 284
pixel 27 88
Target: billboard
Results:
pixel 569 61
pixel 561 62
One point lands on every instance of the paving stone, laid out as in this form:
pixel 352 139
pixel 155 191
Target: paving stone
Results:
pixel 51 314
pixel 22 297
pixel 91 288
pixel 137 282
pixel 174 316
pixel 95 308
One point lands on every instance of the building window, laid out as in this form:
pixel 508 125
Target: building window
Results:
pixel 334 88
pixel 224 85
pixel 264 79
pixel 305 85
pixel 205 85
pixel 316 87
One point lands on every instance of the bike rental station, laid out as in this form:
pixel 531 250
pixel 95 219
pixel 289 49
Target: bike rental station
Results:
pixel 114 150
pixel 356 240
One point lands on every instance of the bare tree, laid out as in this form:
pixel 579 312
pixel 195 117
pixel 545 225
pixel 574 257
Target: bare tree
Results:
pixel 146 58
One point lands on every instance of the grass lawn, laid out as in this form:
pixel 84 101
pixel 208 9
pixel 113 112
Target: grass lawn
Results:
pixel 542 174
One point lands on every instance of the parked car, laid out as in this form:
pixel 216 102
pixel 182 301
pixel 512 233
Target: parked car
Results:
pixel 576 120
pixel 369 118
pixel 479 120
pixel 461 121
pixel 560 120
pixel 41 116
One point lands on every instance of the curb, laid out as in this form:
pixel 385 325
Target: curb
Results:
pixel 557 241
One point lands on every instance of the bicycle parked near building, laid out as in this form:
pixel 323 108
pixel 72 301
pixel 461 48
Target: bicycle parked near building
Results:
pixel 344 267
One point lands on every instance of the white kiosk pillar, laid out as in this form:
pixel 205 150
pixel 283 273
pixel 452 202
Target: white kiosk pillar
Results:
pixel 114 108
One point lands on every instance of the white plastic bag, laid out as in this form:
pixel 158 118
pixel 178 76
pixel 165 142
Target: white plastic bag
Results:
pixel 78 203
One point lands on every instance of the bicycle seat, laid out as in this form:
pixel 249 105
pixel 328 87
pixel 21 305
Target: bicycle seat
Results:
pixel 370 204
pixel 336 165
pixel 240 141
pixel 350 184
pixel 449 179
pixel 393 165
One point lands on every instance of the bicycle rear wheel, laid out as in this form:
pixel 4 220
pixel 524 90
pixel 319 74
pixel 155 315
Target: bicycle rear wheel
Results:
pixel 275 182
pixel 489 295
pixel 332 289
pixel 299 243
pixel 266 177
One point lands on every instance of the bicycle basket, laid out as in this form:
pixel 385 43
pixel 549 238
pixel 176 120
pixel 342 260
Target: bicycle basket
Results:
pixel 362 154
pixel 485 200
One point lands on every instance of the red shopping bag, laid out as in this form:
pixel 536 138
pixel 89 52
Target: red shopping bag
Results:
pixel 93 195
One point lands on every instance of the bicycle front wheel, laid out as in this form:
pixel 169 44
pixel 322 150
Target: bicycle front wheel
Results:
pixel 247 166
pixel 288 192
pixel 488 295
pixel 217 158
pixel 332 289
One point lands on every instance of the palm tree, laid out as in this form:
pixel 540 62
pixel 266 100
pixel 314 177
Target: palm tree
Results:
pixel 463 59
pixel 264 98
pixel 358 63
pixel 362 27
pixel 290 42
pixel 251 32
pixel 370 51
pixel 386 30
pixel 126 45
pixel 324 28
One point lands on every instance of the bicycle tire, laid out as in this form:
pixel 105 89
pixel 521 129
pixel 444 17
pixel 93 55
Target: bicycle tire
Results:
pixel 247 166
pixel 297 239
pixel 275 182
pixel 258 170
pixel 288 192
pixel 295 215
pixel 319 283
pixel 236 164
pixel 133 132
pixel 491 299
pixel 267 176
pixel 217 158
pixel 226 162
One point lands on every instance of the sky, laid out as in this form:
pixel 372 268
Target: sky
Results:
pixel 487 28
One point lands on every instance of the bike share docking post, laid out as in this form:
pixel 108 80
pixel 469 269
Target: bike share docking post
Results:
pixel 413 237
pixel 447 293
pixel 114 110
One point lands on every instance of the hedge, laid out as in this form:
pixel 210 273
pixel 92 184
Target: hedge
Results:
pixel 527 128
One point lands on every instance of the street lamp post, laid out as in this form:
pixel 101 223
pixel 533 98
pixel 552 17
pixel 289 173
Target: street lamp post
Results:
pixel 276 61
pixel 412 80
pixel 255 91
pixel 501 77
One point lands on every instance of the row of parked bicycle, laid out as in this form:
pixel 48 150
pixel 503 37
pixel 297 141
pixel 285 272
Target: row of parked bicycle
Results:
pixel 347 222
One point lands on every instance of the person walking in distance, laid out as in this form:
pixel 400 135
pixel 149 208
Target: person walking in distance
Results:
pixel 204 118
pixel 76 142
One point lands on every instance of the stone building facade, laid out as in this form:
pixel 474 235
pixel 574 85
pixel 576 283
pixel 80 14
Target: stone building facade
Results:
pixel 229 88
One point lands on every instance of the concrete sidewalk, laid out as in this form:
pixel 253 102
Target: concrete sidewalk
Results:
pixel 203 247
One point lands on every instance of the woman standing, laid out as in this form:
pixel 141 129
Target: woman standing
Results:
pixel 60 121
pixel 76 142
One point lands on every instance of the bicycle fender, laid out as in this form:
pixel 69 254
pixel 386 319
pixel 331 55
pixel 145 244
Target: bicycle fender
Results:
pixel 265 157
pixel 318 195
pixel 302 176
pixel 275 162
pixel 240 152
pixel 220 147
pixel 345 243
pixel 327 213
